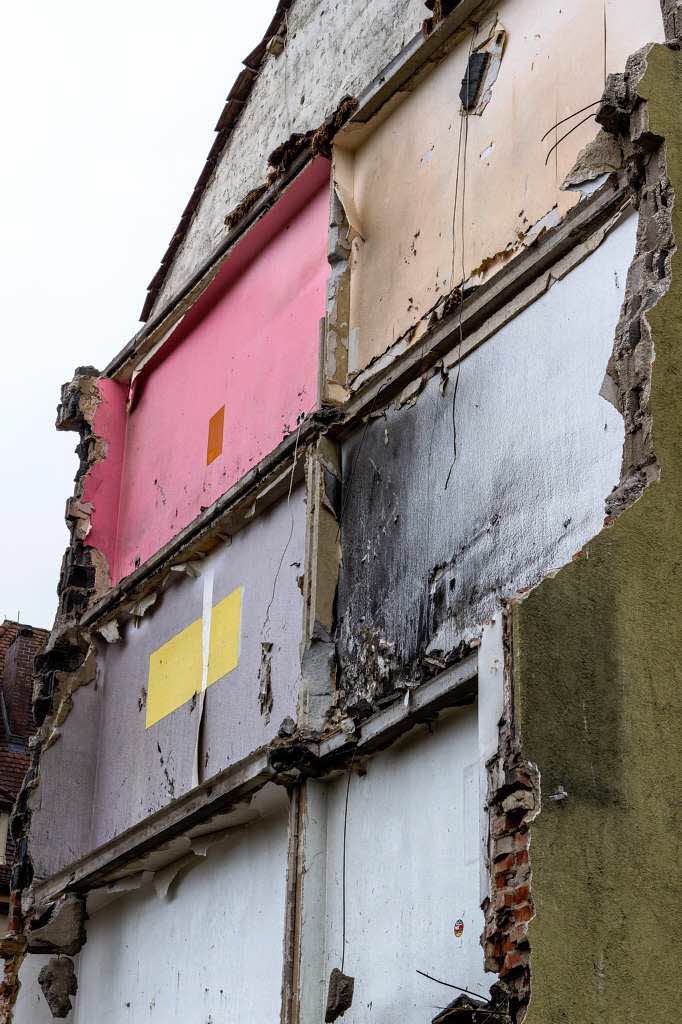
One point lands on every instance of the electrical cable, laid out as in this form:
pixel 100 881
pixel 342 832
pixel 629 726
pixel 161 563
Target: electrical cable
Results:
pixel 461 288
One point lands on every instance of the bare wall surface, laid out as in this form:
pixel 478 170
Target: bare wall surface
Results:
pixel 332 49
pixel 62 803
pixel 538 451
pixel 129 770
pixel 412 864
pixel 405 175
pixel 237 376
pixel 210 950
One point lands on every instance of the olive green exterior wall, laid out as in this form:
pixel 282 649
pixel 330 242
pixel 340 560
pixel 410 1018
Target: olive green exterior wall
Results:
pixel 596 655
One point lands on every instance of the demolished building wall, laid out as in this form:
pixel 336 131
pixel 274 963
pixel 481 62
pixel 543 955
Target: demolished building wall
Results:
pixel 162 713
pixel 480 689
pixel 421 233
pixel 254 346
pixel 433 543
pixel 609 754
pixel 327 51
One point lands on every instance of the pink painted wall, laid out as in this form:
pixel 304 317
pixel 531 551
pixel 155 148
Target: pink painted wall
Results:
pixel 250 344
pixel 102 484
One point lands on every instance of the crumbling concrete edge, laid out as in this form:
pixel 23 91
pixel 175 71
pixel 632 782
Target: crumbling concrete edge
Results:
pixel 66 663
pixel 515 798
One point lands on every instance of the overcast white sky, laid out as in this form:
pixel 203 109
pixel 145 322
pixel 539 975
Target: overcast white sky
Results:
pixel 108 116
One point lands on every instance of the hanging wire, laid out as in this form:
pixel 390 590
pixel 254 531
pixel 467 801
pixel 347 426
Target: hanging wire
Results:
pixel 464 123
pixel 569 118
pixel 457 987
pixel 569 132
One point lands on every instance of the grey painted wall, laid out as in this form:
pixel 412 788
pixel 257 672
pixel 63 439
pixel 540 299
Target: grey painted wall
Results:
pixel 538 451
pixel 107 771
pixel 334 48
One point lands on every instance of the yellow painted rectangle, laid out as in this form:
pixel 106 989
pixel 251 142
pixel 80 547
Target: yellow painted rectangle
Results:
pixel 216 429
pixel 174 673
pixel 223 651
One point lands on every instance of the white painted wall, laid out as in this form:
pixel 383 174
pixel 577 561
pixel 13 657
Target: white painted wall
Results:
pixel 538 452
pixel 412 864
pixel 30 1007
pixel 211 951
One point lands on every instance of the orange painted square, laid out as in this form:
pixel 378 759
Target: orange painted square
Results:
pixel 216 427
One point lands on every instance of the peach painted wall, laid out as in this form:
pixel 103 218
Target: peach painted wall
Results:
pixel 250 344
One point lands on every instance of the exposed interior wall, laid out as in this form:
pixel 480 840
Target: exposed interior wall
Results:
pixel 538 451
pixel 402 180
pixel 255 348
pixel 31 1007
pixel 102 484
pixel 111 767
pixel 412 873
pixel 596 668
pixel 330 51
pixel 208 950
pixel 61 806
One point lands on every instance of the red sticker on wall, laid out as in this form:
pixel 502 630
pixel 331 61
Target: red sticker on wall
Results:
pixel 459 928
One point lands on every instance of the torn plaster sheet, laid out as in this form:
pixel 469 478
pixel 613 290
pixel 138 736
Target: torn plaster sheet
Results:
pixel 206 617
pixel 110 631
pixel 154 860
pixel 164 879
pixel 190 568
pixel 493 44
pixel 588 188
pixel 150 353
pixel 104 895
pixel 141 607
pixel 202 844
pixel 344 182
pixel 272 799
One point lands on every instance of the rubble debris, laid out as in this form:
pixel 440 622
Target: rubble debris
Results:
pixel 85 573
pixel 339 995
pixel 59 927
pixel 603 155
pixel 265 681
pixel 280 160
pixel 440 9
pixel 467 1009
pixel 58 982
pixel 623 114
pixel 513 803
pixel 287 728
pixel 247 204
